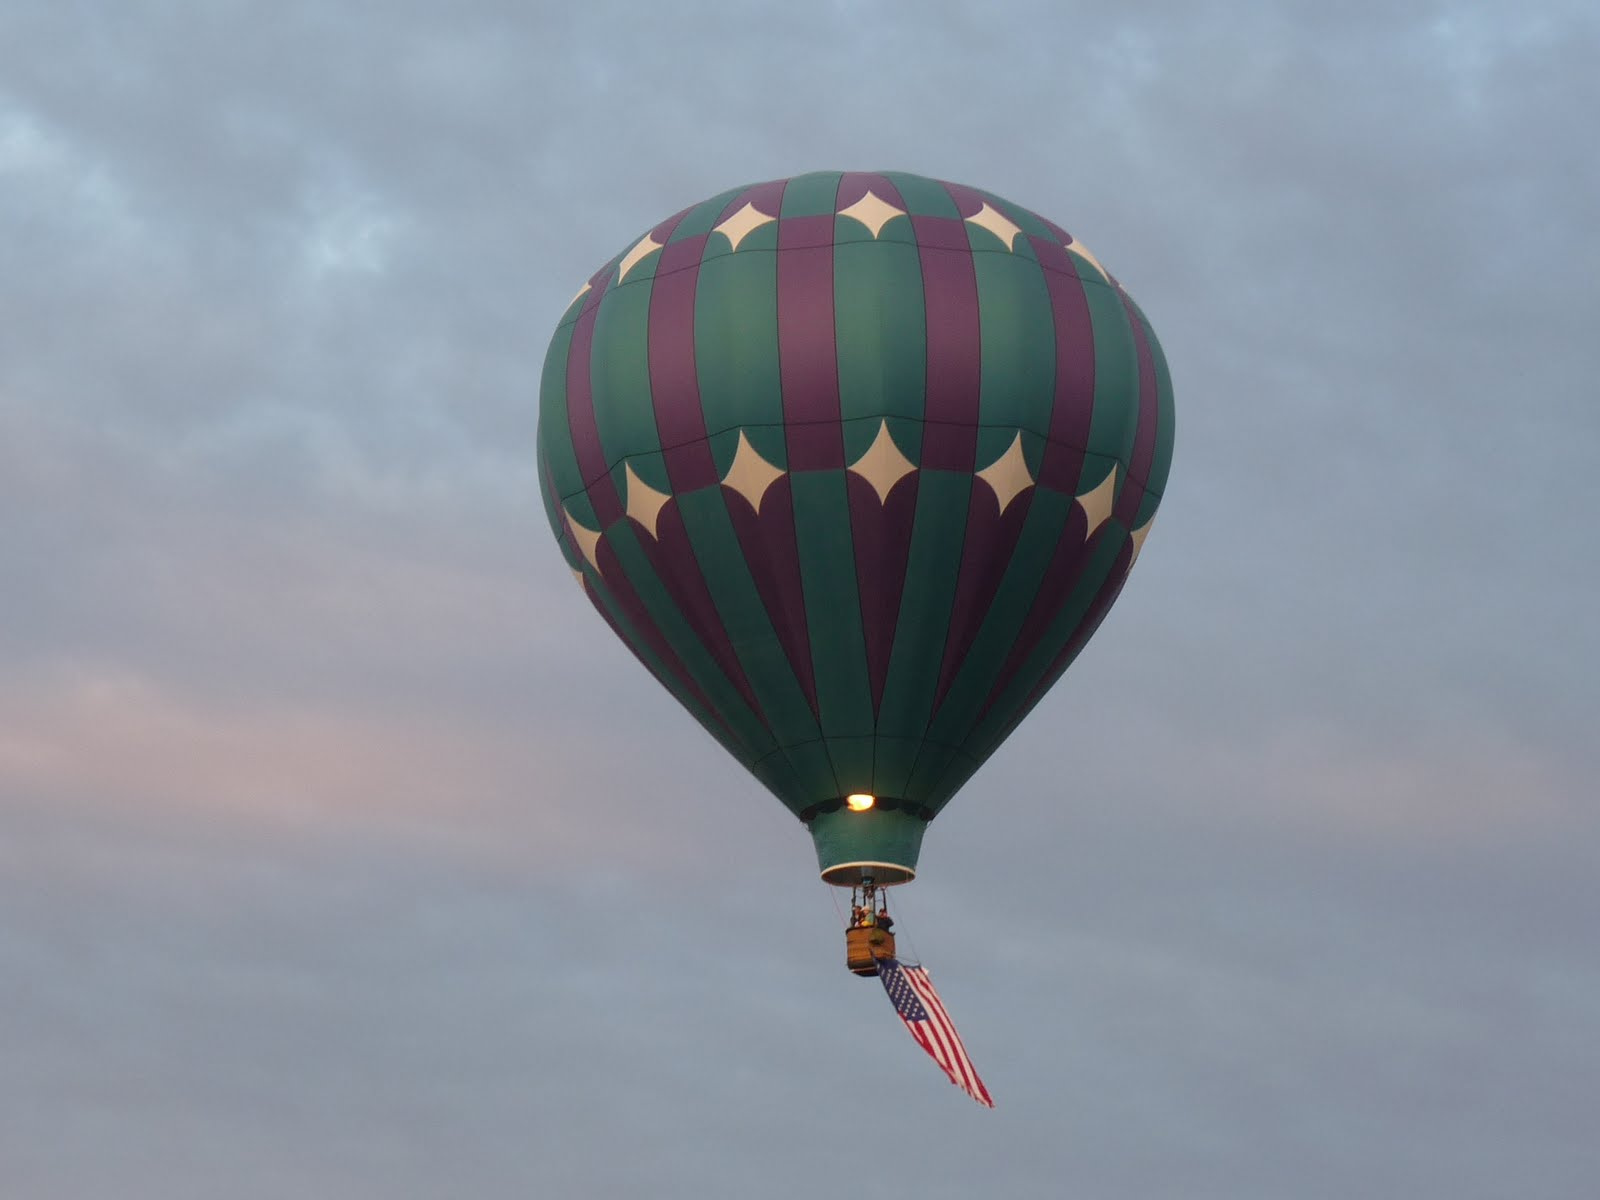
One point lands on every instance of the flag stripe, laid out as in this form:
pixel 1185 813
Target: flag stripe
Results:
pixel 945 1030
pixel 958 1051
pixel 922 1012
pixel 954 1061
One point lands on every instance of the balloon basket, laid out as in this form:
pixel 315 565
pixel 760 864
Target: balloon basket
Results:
pixel 863 948
pixel 868 939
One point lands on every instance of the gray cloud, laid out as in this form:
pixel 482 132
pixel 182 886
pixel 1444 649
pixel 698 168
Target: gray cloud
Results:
pixel 341 850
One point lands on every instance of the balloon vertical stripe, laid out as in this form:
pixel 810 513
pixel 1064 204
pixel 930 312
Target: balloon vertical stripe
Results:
pixel 1068 434
pixel 1050 521
pixel 950 298
pixel 631 610
pixel 1087 605
pixel 1144 438
pixel 674 382
pixel 680 427
pixel 716 546
pixel 625 613
pixel 833 619
pixel 601 492
pixel 1071 557
pixel 705 664
pixel 805 333
pixel 739 384
pixel 943 498
pixel 671 556
pixel 1017 364
pixel 815 443
pixel 1016 695
pixel 990 543
pixel 623 361
pixel 1161 454
pixel 767 536
pixel 1114 406
pixel 590 456
pixel 880 534
pixel 1110 589
pixel 949 451
pixel 880 335
pixel 558 467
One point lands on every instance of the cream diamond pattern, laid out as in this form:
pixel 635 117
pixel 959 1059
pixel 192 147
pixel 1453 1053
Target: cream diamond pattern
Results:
pixel 872 212
pixel 883 465
pixel 742 223
pixel 1008 475
pixel 642 249
pixel 644 502
pixel 1087 255
pixel 1097 502
pixel 997 223
pixel 1138 536
pixel 587 540
pixel 751 475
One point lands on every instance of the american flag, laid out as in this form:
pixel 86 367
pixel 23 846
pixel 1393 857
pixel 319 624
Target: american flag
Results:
pixel 911 992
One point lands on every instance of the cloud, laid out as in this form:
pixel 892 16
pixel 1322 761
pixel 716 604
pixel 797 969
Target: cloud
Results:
pixel 343 850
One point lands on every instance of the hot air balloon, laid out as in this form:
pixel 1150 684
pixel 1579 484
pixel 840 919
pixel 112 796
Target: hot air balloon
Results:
pixel 855 464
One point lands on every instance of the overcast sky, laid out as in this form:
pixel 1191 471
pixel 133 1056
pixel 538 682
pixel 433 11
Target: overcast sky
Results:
pixel 343 854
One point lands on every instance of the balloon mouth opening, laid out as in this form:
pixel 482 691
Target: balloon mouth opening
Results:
pixel 876 844
pixel 856 873
pixel 862 803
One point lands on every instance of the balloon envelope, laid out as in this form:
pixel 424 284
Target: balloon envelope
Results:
pixel 855 464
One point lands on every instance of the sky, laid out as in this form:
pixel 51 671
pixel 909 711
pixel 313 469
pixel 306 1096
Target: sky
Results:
pixel 345 854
